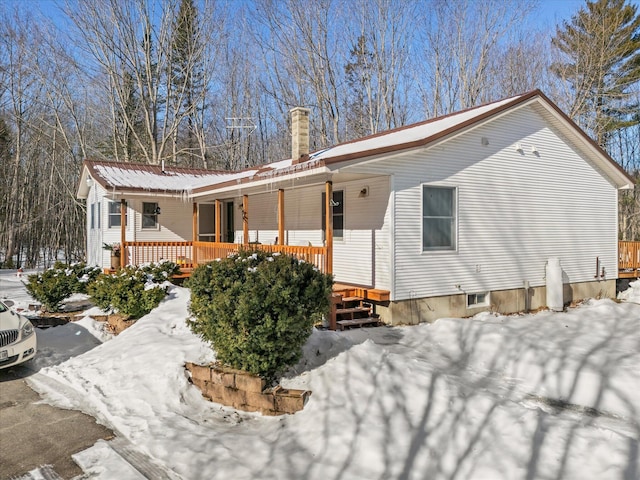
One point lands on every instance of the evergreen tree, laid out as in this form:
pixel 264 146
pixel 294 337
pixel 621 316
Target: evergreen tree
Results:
pixel 358 75
pixel 601 49
pixel 187 76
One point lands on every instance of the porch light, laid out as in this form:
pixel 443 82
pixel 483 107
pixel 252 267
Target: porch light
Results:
pixel 89 181
pixel 157 211
pixel 534 150
pixel 333 203
pixel 519 148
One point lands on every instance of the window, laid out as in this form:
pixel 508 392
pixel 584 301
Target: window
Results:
pixel 114 215
pixel 477 299
pixel 99 203
pixel 338 214
pixel 150 213
pixel 438 218
pixel 93 216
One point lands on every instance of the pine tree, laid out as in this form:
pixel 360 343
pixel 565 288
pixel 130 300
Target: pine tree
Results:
pixel 601 48
pixel 187 77
pixel 358 76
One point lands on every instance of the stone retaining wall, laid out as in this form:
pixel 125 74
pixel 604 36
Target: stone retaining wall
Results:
pixel 244 391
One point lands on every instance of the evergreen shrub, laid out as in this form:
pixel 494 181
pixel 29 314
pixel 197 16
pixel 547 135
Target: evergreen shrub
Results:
pixel 159 272
pixel 257 309
pixel 130 292
pixel 52 286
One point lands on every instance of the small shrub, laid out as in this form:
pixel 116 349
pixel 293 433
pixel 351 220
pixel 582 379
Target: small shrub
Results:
pixel 52 286
pixel 257 310
pixel 129 292
pixel 161 271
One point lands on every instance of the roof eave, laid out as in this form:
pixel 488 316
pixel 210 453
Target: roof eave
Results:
pixel 436 137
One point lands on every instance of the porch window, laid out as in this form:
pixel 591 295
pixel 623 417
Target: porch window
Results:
pixel 93 215
pixel 114 215
pixel 150 213
pixel 338 214
pixel 438 218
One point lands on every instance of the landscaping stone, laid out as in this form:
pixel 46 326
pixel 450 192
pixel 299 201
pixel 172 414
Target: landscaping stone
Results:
pixel 244 391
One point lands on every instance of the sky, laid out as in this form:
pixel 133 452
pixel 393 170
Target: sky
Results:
pixel 550 13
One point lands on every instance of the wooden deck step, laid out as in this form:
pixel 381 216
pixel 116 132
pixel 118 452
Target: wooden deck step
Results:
pixel 351 299
pixel 357 322
pixel 352 310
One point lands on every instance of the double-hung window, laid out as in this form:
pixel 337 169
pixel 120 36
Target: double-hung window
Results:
pixel 438 218
pixel 114 215
pixel 150 213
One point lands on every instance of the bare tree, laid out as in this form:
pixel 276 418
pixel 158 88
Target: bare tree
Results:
pixel 304 51
pixel 378 68
pixel 461 38
pixel 150 94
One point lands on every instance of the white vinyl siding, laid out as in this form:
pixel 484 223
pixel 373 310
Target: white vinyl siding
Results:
pixel 515 210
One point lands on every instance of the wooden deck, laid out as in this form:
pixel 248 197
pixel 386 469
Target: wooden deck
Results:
pixel 189 254
pixel 628 259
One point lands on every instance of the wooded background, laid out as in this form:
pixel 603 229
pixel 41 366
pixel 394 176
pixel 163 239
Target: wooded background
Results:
pixel 209 85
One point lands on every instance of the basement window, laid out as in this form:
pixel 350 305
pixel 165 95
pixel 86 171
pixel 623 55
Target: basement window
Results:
pixel 480 299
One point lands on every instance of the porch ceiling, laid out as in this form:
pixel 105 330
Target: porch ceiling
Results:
pixel 289 183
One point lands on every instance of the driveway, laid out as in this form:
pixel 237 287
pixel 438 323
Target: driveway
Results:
pixel 33 434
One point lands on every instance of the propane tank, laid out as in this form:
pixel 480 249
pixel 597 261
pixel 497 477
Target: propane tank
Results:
pixel 555 301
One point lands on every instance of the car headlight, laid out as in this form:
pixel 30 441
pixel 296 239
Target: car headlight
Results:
pixel 27 329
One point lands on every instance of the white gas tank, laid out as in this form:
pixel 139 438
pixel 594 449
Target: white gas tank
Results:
pixel 555 301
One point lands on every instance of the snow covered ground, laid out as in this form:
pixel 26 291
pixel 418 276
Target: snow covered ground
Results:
pixel 547 395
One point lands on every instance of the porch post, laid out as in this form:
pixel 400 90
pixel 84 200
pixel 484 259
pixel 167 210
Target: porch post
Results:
pixel 281 217
pixel 218 233
pixel 329 226
pixel 245 220
pixel 194 229
pixel 123 232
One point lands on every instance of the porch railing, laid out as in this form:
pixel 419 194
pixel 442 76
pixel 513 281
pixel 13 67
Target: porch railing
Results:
pixel 137 253
pixel 189 254
pixel 628 259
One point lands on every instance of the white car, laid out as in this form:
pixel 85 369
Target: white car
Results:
pixel 17 338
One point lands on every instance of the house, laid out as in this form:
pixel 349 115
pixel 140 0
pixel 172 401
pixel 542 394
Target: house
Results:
pixel 447 217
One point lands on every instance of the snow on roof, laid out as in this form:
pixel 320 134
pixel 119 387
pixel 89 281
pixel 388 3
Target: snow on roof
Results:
pixel 153 178
pixel 411 133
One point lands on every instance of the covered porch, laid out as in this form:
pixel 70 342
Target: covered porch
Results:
pixel 217 238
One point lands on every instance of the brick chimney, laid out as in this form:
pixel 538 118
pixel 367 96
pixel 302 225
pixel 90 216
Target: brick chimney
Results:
pixel 299 134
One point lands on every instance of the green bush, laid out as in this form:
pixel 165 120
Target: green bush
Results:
pixel 59 282
pixel 130 292
pixel 258 309
pixel 159 272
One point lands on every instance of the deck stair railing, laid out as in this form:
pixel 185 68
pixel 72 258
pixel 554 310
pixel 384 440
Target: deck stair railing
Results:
pixel 628 259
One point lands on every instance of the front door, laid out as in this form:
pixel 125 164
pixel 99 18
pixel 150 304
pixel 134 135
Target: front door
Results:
pixel 229 225
pixel 206 222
